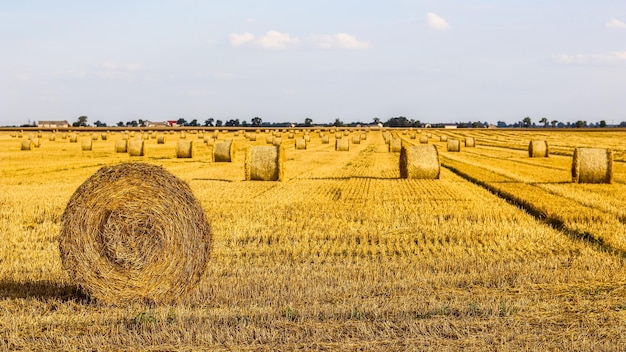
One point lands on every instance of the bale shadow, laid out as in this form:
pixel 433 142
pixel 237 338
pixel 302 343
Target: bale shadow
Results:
pixel 41 290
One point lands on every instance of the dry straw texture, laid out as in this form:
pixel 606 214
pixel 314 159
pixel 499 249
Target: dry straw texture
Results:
pixel 443 138
pixel 252 137
pixel 224 151
pixel 161 139
pixel 104 136
pixel 265 163
pixel 356 139
pixel 87 144
pixel 184 149
pixel 134 232
pixel 325 139
pixel 277 141
pixel 94 136
pixel 300 143
pixel 28 145
pixel 52 137
pixel 269 139
pixel 136 147
pixel 338 135
pixel 342 145
pixel 538 149
pixel 420 162
pixel 454 145
pixel 121 146
pixel 36 142
pixel 592 165
pixel 424 140
pixel 73 138
pixel 470 142
pixel 395 144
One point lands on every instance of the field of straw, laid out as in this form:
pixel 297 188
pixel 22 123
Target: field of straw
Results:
pixel 501 252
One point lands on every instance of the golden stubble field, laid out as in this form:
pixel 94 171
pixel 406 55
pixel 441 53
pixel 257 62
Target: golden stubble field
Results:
pixel 342 255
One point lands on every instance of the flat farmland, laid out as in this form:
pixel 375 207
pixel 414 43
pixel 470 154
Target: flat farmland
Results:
pixel 502 252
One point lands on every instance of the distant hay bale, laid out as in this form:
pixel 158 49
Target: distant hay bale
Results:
pixel 269 139
pixel 356 139
pixel 277 141
pixel 64 135
pixel 161 139
pixel 470 142
pixel 121 146
pixel 290 135
pixel 454 145
pixel 73 138
pixel 36 142
pixel 52 137
pixel 429 135
pixel 39 134
pixel 363 136
pixel 137 147
pixel 325 139
pixel 419 162
pixel 264 163
pixel 307 138
pixel 28 145
pixel 86 144
pixel 184 149
pixel 224 151
pixel 538 149
pixel 104 136
pixel 300 143
pixel 94 136
pixel 134 233
pixel 342 145
pixel 423 140
pixel 252 137
pixel 443 138
pixel 412 135
pixel 183 135
pixel 209 141
pixel 395 145
pixel 592 165
pixel 338 135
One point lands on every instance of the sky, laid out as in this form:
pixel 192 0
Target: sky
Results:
pixel 438 61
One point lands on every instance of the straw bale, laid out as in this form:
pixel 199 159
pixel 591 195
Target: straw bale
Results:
pixel 252 137
pixel 52 137
pixel 36 142
pixel 470 142
pixel 104 136
pixel 423 140
pixel 121 146
pixel 137 147
pixel 184 149
pixel 538 149
pixel 290 135
pixel 161 139
pixel 356 139
pixel 419 162
pixel 395 145
pixel 338 135
pixel 363 136
pixel 94 136
pixel 134 233
pixel 224 151
pixel 412 135
pixel 307 138
pixel 183 135
pixel 277 141
pixel 300 143
pixel 269 139
pixel 454 145
pixel 443 138
pixel 39 134
pixel 342 145
pixel 325 139
pixel 86 144
pixel 28 145
pixel 73 138
pixel 264 163
pixel 592 165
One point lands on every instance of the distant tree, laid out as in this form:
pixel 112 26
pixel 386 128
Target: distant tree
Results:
pixel 80 122
pixel 602 123
pixel 194 123
pixel 501 124
pixel 376 120
pixel 120 124
pixel 244 123
pixel 209 121
pixel 308 122
pixel 581 124
pixel 554 123
pixel 181 122
pixel 544 121
pixel 338 123
pixel 399 121
pixel 527 122
pixel 256 121
pixel 232 122
pixel 132 123
pixel 142 122
pixel 100 124
pixel 218 123
pixel 622 124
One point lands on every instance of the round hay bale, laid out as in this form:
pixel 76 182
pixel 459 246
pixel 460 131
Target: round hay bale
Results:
pixel 161 139
pixel 39 134
pixel 94 136
pixel 592 165
pixel 412 135
pixel 454 145
pixel 395 145
pixel 224 151
pixel 36 142
pixel 137 147
pixel 264 163
pixel 338 135
pixel 470 142
pixel 184 149
pixel 28 145
pixel 64 135
pixel 73 138
pixel 300 143
pixel 325 139
pixel 52 137
pixel 419 162
pixel 290 135
pixel 86 144
pixel 538 149
pixel 443 138
pixel 134 233
pixel 277 141
pixel 252 137
pixel 307 138
pixel 121 146
pixel 183 135
pixel 269 139
pixel 356 139
pixel 363 136
pixel 423 140
pixel 342 145
pixel 104 136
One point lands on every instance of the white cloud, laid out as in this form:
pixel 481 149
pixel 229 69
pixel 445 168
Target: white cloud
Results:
pixel 276 40
pixel 339 40
pixel 113 66
pixel 436 22
pixel 581 59
pixel 615 24
pixel 237 39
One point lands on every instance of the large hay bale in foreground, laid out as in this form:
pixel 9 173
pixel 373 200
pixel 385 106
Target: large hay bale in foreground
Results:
pixel 592 165
pixel 121 146
pixel 342 145
pixel 538 149
pixel 395 144
pixel 224 151
pixel 184 149
pixel 454 145
pixel 264 163
pixel 136 147
pixel 134 233
pixel 419 162
pixel 470 142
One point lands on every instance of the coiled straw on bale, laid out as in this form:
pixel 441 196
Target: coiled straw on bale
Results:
pixel 224 151
pixel 423 140
pixel 395 144
pixel 300 143
pixel 538 149
pixel 87 144
pixel 264 163
pixel 28 145
pixel 121 146
pixel 184 149
pixel 134 233
pixel 136 147
pixel 342 145
pixel 470 142
pixel 454 145
pixel 592 165
pixel 419 162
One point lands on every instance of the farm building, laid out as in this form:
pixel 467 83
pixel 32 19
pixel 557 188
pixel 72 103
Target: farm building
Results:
pixel 53 124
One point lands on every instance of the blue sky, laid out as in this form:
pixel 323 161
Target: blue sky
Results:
pixel 433 61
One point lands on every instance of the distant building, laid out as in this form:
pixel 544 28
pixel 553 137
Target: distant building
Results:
pixel 449 125
pixel 156 124
pixel 53 124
